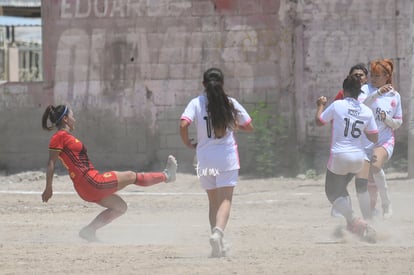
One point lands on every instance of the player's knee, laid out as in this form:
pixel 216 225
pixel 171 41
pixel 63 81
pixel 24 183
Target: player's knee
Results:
pixel 361 185
pixel 121 207
pixel 332 193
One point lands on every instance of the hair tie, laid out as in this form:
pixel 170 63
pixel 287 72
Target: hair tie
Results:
pixel 62 115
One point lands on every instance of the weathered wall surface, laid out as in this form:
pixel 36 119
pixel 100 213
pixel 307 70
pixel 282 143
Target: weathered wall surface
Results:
pixel 129 67
pixel 334 35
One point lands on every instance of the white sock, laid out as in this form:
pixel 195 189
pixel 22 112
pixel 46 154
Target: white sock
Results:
pixel 342 205
pixel 219 230
pixel 365 204
pixel 381 183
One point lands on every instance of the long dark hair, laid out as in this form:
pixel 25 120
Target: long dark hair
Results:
pixel 220 109
pixel 55 115
pixel 352 86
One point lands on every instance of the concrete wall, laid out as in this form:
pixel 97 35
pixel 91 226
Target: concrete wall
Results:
pixel 334 35
pixel 129 67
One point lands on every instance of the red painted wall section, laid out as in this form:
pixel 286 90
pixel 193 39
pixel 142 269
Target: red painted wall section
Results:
pixel 247 6
pixel 224 5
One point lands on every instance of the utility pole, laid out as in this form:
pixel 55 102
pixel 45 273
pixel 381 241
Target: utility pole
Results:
pixel 410 163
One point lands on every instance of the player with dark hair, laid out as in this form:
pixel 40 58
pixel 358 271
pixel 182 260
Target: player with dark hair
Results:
pixel 89 183
pixel 217 117
pixel 360 71
pixel 350 120
pixel 361 179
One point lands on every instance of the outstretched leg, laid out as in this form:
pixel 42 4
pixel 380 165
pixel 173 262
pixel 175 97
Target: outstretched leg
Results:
pixel 116 206
pixel 168 175
pixel 147 179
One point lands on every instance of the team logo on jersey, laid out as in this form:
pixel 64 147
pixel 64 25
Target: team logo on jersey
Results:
pixel 72 175
pixel 393 103
pixel 107 175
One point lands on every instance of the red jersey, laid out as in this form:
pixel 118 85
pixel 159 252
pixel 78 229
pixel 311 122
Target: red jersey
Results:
pixel 90 185
pixel 73 154
pixel 339 95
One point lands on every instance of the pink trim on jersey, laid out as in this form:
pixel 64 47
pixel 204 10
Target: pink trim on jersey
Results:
pixel 332 138
pixel 247 122
pixel 186 119
pixel 236 147
pixel 388 143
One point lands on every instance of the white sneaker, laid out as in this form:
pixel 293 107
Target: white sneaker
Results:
pixel 171 169
pixel 216 242
pixel 387 211
pixel 88 234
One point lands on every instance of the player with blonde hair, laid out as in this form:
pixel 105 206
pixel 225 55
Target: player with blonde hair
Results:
pixel 385 102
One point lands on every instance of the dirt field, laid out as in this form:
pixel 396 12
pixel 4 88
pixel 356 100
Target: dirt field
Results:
pixel 277 226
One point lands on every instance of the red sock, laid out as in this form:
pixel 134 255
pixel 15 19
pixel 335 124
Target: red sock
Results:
pixel 148 179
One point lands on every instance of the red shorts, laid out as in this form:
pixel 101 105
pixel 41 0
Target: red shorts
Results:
pixel 94 186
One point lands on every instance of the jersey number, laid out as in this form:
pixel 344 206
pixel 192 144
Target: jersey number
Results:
pixel 355 131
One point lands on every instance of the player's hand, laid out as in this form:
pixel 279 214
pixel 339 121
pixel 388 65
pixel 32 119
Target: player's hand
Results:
pixel 321 101
pixel 385 89
pixel 47 194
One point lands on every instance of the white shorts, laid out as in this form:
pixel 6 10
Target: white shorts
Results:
pixel 345 163
pixel 223 179
pixel 389 147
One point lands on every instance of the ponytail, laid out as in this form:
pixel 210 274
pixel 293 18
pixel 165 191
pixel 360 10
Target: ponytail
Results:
pixel 219 107
pixel 54 115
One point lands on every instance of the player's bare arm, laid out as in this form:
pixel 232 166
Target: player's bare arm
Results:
pixel 48 192
pixel 184 124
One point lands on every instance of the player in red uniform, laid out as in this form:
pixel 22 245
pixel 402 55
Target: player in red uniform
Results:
pixel 91 185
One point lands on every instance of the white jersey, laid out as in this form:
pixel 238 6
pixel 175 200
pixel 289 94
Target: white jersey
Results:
pixel 366 89
pixel 350 119
pixel 218 154
pixel 390 103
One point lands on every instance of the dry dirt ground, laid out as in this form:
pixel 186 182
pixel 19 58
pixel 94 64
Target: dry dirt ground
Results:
pixel 277 226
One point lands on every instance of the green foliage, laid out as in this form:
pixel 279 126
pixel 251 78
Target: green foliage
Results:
pixel 311 174
pixel 268 142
